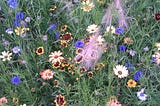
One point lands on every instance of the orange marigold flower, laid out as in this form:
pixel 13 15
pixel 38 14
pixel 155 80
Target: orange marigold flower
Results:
pixel 56 83
pixel 67 36
pixel 79 50
pixel 79 58
pixel 64 43
pixel 63 28
pixel 128 40
pixel 56 64
pixel 47 74
pixel 90 74
pixel 131 83
pixel 60 100
pixel 83 69
pixel 40 50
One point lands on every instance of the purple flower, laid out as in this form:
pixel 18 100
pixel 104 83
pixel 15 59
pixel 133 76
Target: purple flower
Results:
pixel 122 48
pixel 45 38
pixel 132 52
pixel 16 80
pixel 146 49
pixel 119 30
pixel 52 27
pixel 141 95
pixel 137 76
pixel 79 44
pixel 16 50
pixel 12 3
pixel 27 19
pixel 9 31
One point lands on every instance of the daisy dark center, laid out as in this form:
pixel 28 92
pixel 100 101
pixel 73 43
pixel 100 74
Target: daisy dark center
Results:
pixel 131 82
pixel 56 56
pixel 40 50
pixel 6 56
pixel 120 72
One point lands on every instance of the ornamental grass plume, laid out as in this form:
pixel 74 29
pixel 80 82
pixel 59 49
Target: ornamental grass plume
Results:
pixel 92 51
pixel 115 10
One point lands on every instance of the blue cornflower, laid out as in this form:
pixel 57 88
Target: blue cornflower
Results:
pixel 128 65
pixel 122 48
pixel 12 3
pixel 79 44
pixel 16 50
pixel 52 27
pixel 19 16
pixel 16 80
pixel 119 30
pixel 57 35
pixel 137 76
pixel 153 59
pixel 16 23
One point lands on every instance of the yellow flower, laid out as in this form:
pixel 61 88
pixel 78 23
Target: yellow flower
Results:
pixel 20 31
pixel 23 105
pixel 131 83
pixel 157 45
pixel 87 6
pixel 40 51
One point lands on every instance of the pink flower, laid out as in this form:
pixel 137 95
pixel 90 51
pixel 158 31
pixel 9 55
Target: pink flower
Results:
pixel 3 100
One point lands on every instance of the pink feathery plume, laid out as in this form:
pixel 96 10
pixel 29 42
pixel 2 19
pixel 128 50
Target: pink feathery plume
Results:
pixel 107 17
pixel 121 14
pixel 91 52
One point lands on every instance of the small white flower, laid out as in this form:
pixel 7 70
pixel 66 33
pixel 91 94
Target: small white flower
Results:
pixel 9 31
pixel 110 28
pixel 121 71
pixel 6 56
pixel 141 95
pixel 55 57
pixel 100 40
pixel 92 28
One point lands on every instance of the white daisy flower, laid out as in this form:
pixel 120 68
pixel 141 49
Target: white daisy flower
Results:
pixel 92 28
pixel 6 56
pixel 100 40
pixel 121 71
pixel 110 28
pixel 141 95
pixel 55 57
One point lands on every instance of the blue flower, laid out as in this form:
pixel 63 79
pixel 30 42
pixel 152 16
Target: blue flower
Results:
pixel 16 50
pixel 128 65
pixel 153 59
pixel 119 30
pixel 57 35
pixel 52 27
pixel 138 75
pixel 12 3
pixel 16 23
pixel 16 80
pixel 19 16
pixel 122 48
pixel 79 44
